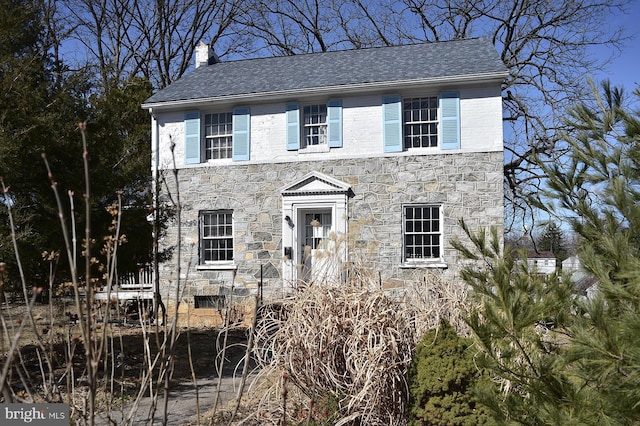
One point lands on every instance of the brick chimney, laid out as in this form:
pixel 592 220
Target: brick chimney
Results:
pixel 205 55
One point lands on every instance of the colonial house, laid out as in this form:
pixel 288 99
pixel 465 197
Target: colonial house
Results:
pixel 298 169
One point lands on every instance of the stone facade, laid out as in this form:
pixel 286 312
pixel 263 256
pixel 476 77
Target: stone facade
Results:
pixel 467 186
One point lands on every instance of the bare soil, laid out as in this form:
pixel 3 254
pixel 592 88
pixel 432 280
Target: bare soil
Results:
pixel 195 351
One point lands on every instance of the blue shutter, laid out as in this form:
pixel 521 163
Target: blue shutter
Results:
pixel 241 133
pixel 392 123
pixel 293 127
pixel 449 120
pixel 334 123
pixel 192 137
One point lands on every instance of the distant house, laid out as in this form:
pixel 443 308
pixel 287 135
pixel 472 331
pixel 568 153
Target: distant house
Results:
pixel 571 264
pixel 292 169
pixel 584 283
pixel 543 262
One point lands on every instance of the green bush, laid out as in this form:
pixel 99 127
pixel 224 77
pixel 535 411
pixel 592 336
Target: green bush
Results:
pixel 441 377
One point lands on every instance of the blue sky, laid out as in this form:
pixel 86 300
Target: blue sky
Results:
pixel 625 69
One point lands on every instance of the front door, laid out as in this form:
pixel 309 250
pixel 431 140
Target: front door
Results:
pixel 315 244
pixel 314 229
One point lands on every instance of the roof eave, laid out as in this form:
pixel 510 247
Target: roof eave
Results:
pixel 330 90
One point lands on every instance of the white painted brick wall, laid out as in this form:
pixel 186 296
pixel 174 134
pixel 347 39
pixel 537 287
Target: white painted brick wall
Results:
pixel 481 130
pixel 481 119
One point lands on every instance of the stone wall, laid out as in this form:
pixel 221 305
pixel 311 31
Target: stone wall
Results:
pixel 468 186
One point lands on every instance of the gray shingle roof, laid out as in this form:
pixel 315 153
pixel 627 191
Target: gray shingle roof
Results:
pixel 300 73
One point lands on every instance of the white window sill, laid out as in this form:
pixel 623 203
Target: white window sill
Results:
pixel 436 264
pixel 219 266
pixel 423 149
pixel 219 161
pixel 314 148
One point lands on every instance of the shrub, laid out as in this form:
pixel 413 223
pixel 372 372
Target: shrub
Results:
pixel 441 377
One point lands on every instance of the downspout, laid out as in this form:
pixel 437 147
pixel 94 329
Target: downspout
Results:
pixel 345 256
pixel 157 299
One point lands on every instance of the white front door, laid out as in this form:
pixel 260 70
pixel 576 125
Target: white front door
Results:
pixel 315 245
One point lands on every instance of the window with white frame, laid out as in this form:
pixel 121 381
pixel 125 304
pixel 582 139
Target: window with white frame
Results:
pixel 218 135
pixel 216 236
pixel 422 233
pixel 314 125
pixel 420 122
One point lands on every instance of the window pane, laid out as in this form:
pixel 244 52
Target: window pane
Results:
pixel 420 117
pixel 216 236
pixel 218 135
pixel 315 125
pixel 422 232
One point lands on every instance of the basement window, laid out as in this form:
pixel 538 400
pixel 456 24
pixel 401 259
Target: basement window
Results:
pixel 209 302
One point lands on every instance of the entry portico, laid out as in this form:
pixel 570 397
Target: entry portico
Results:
pixel 314 228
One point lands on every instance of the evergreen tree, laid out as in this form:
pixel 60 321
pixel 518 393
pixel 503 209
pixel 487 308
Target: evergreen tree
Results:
pixel 441 378
pixel 29 118
pixel 552 239
pixel 563 359
pixel 119 135
pixel 40 114
pixel 517 318
pixel 600 188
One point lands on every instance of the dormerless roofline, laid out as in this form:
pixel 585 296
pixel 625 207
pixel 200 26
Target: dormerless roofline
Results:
pixel 329 90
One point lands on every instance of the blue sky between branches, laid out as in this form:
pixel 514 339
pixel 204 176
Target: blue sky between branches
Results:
pixel 624 70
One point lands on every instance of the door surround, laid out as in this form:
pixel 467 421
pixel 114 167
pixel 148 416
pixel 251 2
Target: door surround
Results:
pixel 314 191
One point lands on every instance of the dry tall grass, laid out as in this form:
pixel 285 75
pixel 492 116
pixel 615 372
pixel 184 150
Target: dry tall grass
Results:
pixel 350 344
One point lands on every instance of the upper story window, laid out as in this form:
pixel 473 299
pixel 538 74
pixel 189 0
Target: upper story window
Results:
pixel 420 121
pixel 218 135
pixel 314 125
pixel 216 236
pixel 214 136
pixel 422 233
